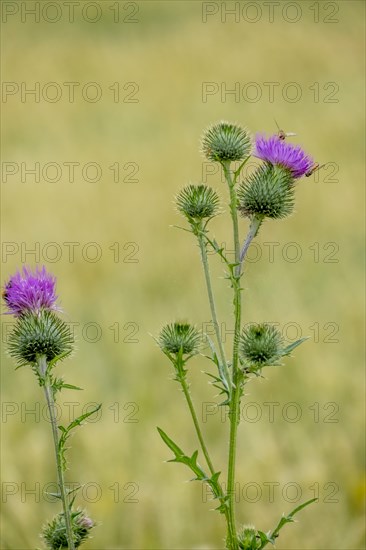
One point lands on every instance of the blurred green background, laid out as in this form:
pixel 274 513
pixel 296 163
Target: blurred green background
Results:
pixel 131 271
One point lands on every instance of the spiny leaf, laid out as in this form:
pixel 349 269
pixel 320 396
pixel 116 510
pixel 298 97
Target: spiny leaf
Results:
pixel 221 382
pixel 65 432
pixel 181 457
pixel 58 384
pixel 77 421
pixel 53 361
pixel 271 537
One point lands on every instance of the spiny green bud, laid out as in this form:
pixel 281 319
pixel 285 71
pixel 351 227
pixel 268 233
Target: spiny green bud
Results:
pixel 269 192
pixel 226 142
pixel 54 533
pixel 179 336
pixel 198 202
pixel 37 334
pixel 261 345
pixel 248 539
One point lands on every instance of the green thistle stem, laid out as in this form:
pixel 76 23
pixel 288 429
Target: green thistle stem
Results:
pixel 234 423
pixel 237 375
pixel 213 308
pixel 42 368
pixel 234 413
pixel 188 397
pixel 253 230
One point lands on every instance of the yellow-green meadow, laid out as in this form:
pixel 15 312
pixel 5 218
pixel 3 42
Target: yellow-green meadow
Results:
pixel 103 110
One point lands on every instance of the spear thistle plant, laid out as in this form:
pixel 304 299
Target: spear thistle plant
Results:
pixel 40 339
pixel 268 193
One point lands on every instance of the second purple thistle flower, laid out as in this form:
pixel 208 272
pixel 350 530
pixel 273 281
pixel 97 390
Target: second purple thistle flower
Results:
pixel 278 151
pixel 30 291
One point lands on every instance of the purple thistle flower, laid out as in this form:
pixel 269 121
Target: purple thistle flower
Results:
pixel 278 151
pixel 30 291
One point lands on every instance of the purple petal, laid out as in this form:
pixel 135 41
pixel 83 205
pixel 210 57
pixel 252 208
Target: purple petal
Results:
pixel 278 151
pixel 30 291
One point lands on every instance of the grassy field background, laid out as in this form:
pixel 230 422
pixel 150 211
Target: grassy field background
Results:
pixel 131 272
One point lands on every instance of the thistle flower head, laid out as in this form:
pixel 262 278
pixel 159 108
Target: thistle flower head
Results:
pixel 280 152
pixel 198 202
pixel 30 291
pixel 179 336
pixel 37 334
pixel 226 142
pixel 261 345
pixel 268 192
pixel 54 532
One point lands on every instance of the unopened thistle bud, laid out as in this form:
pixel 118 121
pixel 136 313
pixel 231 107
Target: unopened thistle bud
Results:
pixel 248 538
pixel 226 142
pixel 268 192
pixel 179 336
pixel 261 345
pixel 198 202
pixel 54 533
pixel 37 334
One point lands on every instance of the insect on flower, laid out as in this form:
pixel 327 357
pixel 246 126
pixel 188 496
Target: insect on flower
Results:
pixel 4 291
pixel 313 169
pixel 30 290
pixel 282 134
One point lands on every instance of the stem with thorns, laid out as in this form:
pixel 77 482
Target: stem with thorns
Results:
pixel 48 391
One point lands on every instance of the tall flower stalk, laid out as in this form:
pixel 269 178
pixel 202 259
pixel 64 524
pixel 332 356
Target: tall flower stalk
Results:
pixel 268 193
pixel 40 339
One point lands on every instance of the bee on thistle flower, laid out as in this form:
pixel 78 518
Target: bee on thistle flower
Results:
pixel 30 291
pixel 282 134
pixel 279 152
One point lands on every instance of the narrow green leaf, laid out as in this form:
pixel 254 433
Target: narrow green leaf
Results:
pixel 77 421
pixel 215 477
pixel 294 345
pixel 53 361
pixel 241 166
pixel 222 383
pixel 271 537
pixel 170 443
pixel 56 495
pixel 65 432
pixel 296 510
pixel 74 490
pixel 71 387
